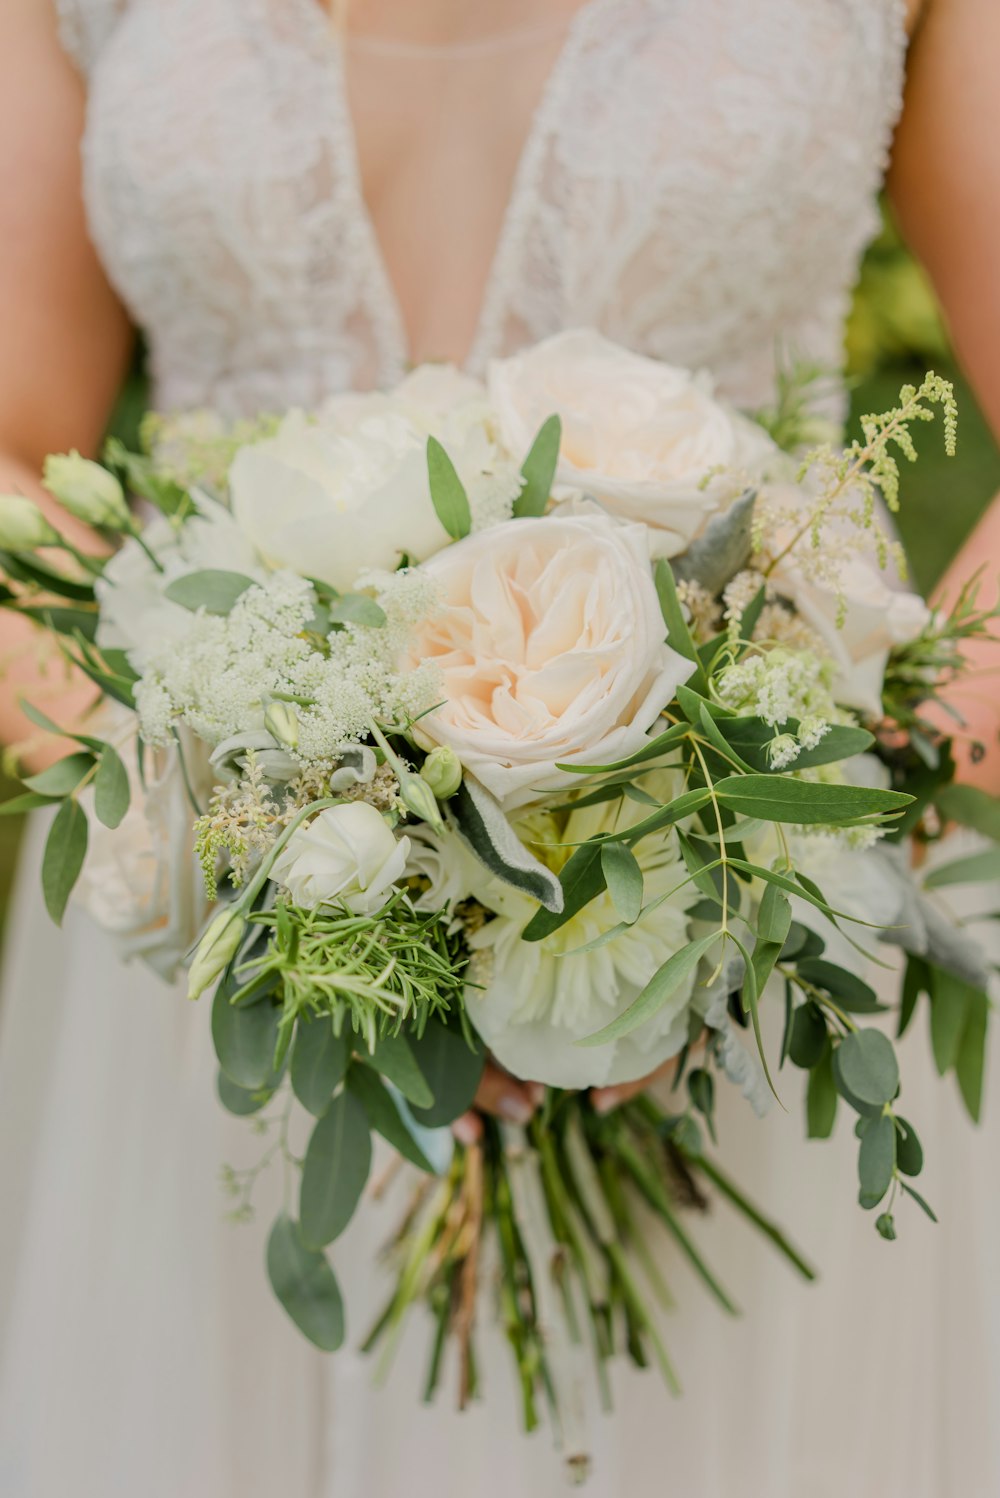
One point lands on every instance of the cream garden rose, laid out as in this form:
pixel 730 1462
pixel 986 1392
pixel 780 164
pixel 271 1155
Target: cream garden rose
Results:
pixel 346 855
pixel 347 492
pixel 549 644
pixel 640 436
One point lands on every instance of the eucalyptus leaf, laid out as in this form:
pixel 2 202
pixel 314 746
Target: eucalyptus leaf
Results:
pixel 774 918
pixel 657 992
pixel 65 851
pixel 386 1118
pixel 111 788
pixel 395 1059
pixel 239 1100
pixel 909 1153
pixel 319 1062
pixel 749 738
pixel 920 1201
pixel 212 589
pixel 678 633
pixel 970 1062
pixel 581 880
pixel 448 495
pixel 971 807
pixel 245 1037
pixel 865 1063
pixel 62 778
pixel 485 830
pixel 338 1159
pixel 821 1098
pixel 851 993
pixel 539 469
pixel 624 879
pixel 356 608
pixel 779 798
pixel 977 869
pixel 305 1286
pixel 654 748
pixel 808 1040
pixel 452 1069
pixel 17 806
pixel 876 1161
pixel 950 1000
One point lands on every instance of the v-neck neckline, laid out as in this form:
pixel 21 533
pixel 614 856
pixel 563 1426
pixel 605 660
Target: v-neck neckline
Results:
pixel 397 352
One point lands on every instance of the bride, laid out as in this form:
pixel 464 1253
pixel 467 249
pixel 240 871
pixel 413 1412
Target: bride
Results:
pixel 291 201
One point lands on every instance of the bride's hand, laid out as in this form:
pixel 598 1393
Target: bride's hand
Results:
pixel 502 1096
pixel 604 1099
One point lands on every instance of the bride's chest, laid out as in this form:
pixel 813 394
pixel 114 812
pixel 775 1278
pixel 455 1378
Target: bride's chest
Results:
pixel 676 152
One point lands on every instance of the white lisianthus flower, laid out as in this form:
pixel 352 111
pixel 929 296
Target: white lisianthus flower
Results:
pixel 135 614
pixel 141 882
pixel 346 855
pixel 348 492
pixel 642 437
pixel 87 490
pixel 535 1003
pixel 443 868
pixel 548 642
pixel 875 618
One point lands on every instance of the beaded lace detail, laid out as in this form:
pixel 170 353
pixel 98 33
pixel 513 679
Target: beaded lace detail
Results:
pixel 699 182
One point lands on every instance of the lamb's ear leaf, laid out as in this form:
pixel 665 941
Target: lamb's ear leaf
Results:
pixel 723 550
pixel 539 469
pixel 447 492
pixel 483 827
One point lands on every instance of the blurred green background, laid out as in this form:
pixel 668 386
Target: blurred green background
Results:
pixel 895 334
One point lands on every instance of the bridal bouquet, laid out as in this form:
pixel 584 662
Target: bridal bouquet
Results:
pixel 571 718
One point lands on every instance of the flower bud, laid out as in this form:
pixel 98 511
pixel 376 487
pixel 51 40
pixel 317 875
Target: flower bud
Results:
pixel 215 951
pixel 87 491
pixel 23 526
pixel 417 797
pixel 283 722
pixel 442 770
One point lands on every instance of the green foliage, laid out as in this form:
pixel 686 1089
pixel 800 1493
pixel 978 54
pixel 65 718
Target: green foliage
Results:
pixel 448 495
pixel 305 1285
pixel 538 470
pixel 337 1162
pixel 319 1061
pixel 245 1037
pixel 62 861
pixel 212 590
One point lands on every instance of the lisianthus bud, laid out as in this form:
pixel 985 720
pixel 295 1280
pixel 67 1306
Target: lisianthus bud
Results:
pixel 87 491
pixel 283 722
pixel 442 770
pixel 418 798
pixel 23 525
pixel 215 951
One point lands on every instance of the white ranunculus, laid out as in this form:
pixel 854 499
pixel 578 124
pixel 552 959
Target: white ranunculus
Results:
pixel 348 493
pixel 548 641
pixel 142 882
pixel 639 435
pixel 532 1001
pixel 876 617
pixel 346 855
pixel 136 616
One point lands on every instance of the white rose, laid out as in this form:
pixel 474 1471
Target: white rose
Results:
pixel 638 435
pixel 347 854
pixel 135 615
pixel 549 643
pixel 876 617
pixel 348 493
pixel 533 1001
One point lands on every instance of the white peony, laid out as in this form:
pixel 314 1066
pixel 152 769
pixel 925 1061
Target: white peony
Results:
pixel 549 647
pixel 348 492
pixel 641 436
pixel 876 617
pixel 535 1003
pixel 346 855
pixel 135 614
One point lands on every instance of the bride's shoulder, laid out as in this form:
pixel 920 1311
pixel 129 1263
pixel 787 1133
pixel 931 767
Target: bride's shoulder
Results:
pixel 85 27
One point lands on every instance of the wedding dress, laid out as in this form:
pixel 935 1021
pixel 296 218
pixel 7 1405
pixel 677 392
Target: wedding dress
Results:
pixel 698 181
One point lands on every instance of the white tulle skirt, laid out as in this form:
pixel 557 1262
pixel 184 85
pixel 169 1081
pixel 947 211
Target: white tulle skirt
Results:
pixel 143 1356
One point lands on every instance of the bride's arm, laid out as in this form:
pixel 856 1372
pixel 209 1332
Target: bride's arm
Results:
pixel 945 186
pixel 64 338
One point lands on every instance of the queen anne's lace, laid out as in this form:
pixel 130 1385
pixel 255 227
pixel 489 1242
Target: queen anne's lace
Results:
pixel 699 183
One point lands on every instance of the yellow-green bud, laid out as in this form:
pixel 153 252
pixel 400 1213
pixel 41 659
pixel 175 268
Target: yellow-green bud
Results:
pixel 283 722
pixel 418 798
pixel 215 951
pixel 87 491
pixel 442 770
pixel 23 526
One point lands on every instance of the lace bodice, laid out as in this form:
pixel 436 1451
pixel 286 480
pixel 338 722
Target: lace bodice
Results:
pixel 699 183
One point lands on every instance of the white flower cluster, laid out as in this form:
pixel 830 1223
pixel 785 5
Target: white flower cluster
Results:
pixel 220 675
pixel 780 685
